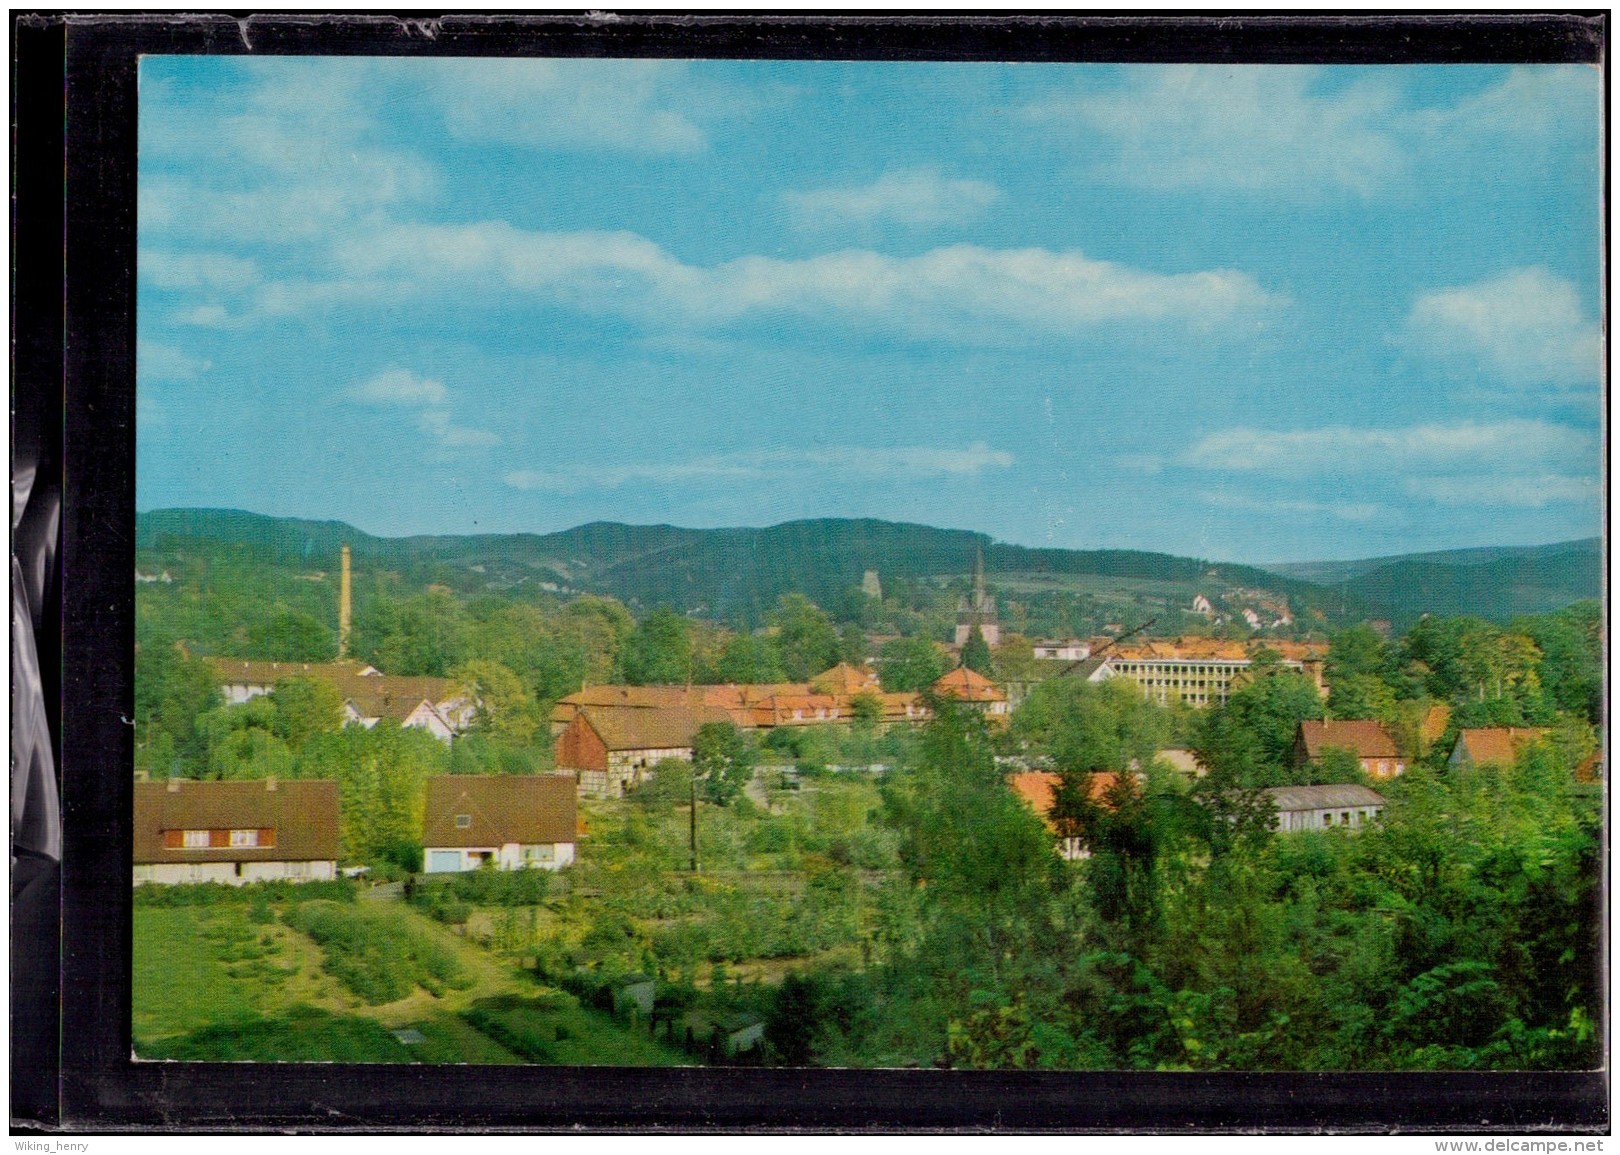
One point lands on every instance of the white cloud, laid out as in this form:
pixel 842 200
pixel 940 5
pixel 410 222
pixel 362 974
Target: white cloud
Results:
pixel 158 362
pixel 1298 131
pixel 920 197
pixel 630 105
pixel 1524 327
pixel 962 292
pixel 1416 448
pixel 1528 491
pixel 402 387
pixel 1233 126
pixel 900 464
pixel 219 272
pixel 437 422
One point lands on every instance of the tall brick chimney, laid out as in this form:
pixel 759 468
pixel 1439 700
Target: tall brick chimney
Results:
pixel 343 608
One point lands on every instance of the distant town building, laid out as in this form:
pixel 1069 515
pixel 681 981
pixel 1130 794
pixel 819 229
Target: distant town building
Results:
pixel 243 680
pixel 507 821
pixel 973 689
pixel 1348 807
pixel 870 586
pixel 1368 741
pixel 1201 605
pixel 438 705
pixel 1492 746
pixel 1067 650
pixel 233 833
pixel 977 609
pixel 1197 671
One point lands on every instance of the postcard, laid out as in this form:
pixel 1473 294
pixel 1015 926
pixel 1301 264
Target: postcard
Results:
pixel 869 564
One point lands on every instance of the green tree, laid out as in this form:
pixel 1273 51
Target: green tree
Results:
pixel 425 634
pixel 723 761
pixel 866 710
pixel 910 664
pixel 305 707
pixel 659 650
pixel 505 709
pixel 1092 725
pixel 749 659
pixel 806 640
pixel 1252 734
pixel 292 636
pixel 976 653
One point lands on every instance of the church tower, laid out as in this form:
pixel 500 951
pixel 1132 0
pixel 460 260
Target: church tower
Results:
pixel 977 609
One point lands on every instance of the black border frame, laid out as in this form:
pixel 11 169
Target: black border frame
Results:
pixel 91 325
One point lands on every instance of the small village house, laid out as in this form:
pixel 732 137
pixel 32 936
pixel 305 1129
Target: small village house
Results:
pixel 1348 807
pixel 1368 741
pixel 233 833
pixel 1492 745
pixel 1038 789
pixel 610 749
pixel 974 690
pixel 242 680
pixel 506 821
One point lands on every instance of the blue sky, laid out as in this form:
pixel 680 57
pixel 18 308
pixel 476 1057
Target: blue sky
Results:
pixel 1249 313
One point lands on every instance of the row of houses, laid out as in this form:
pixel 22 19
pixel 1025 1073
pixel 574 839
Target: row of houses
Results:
pixel 611 736
pixel 189 831
pixel 440 706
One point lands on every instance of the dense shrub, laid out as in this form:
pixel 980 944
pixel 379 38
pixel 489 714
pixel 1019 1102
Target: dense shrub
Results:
pixel 484 888
pixel 254 893
pixel 374 954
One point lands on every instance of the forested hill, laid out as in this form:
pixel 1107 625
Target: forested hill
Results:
pixel 734 575
pixel 1496 583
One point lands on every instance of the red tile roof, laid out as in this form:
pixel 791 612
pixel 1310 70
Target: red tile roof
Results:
pixel 1037 787
pixel 967 685
pixel 1495 744
pixel 1364 739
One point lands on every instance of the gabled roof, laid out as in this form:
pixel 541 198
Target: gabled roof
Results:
pixel 1364 739
pixel 1435 720
pixel 528 809
pixel 386 704
pixel 843 679
pixel 1291 798
pixel 967 685
pixel 242 671
pixel 1495 744
pixel 639 728
pixel 302 812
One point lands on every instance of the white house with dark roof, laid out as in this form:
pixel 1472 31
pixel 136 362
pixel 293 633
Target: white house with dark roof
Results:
pixel 1346 806
pixel 189 831
pixel 508 821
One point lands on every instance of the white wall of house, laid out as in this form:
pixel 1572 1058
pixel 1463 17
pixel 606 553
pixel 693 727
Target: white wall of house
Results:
pixel 626 769
pixel 233 873
pixel 238 692
pixel 511 856
pixel 1326 818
